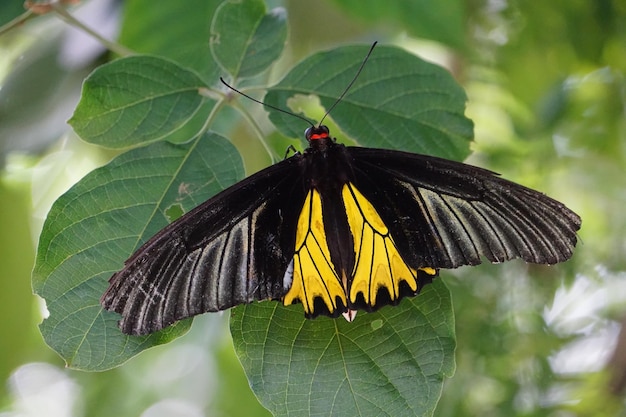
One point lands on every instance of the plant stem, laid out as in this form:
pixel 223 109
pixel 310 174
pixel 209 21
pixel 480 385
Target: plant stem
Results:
pixel 71 20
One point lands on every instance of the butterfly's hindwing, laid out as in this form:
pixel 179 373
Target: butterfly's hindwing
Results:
pixel 314 274
pixel 378 263
pixel 324 287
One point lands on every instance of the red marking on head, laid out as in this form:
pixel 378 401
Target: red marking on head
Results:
pixel 322 135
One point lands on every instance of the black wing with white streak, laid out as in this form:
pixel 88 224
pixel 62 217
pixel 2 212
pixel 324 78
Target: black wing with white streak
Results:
pixel 232 249
pixel 444 214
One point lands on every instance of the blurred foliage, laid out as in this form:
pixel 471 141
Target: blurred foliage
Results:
pixel 9 10
pixel 546 91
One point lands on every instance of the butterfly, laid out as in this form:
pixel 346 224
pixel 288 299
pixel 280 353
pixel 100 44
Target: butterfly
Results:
pixel 337 229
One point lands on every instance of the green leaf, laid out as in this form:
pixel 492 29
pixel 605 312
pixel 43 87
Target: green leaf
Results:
pixel 136 100
pixel 256 43
pixel 442 21
pixel 389 363
pixel 99 222
pixel 177 30
pixel 398 101
pixel 9 10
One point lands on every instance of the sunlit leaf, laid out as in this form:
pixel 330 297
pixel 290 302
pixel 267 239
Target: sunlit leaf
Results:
pixel 398 102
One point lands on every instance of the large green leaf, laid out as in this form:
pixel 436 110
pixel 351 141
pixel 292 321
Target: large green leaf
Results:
pixel 257 42
pixel 399 101
pixel 135 100
pixel 389 363
pixel 99 222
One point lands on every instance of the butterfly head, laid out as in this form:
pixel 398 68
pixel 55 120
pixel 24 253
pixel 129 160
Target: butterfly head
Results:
pixel 317 133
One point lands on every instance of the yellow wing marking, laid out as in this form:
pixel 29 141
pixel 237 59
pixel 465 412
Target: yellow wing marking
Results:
pixel 313 272
pixel 378 262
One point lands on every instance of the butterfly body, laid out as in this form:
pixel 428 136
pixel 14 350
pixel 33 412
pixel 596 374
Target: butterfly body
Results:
pixel 337 229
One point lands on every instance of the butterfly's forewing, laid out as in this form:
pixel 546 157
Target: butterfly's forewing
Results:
pixel 445 214
pixel 232 249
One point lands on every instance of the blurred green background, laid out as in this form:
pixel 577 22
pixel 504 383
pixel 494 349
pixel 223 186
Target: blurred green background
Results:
pixel 547 94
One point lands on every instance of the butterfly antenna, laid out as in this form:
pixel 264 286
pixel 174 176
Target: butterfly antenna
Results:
pixel 267 105
pixel 351 82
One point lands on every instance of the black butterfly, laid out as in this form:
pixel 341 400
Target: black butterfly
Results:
pixel 338 229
